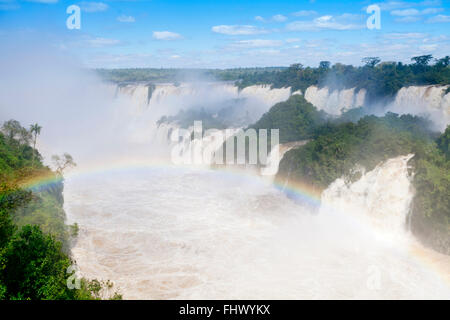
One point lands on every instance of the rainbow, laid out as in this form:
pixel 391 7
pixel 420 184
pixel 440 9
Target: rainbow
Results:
pixel 297 190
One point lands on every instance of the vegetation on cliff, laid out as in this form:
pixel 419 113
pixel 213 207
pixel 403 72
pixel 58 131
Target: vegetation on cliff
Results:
pixel 34 239
pixel 339 148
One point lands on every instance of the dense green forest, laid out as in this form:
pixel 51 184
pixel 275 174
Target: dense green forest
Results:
pixel 153 75
pixel 296 118
pixel 382 80
pixel 34 239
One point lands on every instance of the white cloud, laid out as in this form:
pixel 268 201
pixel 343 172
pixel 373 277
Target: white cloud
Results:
pixel 124 18
pixel 322 23
pixel 292 40
pixel 279 18
pixel 432 10
pixel 238 30
pixel 408 19
pixel 257 43
pixel 415 12
pixel 392 5
pixel 428 47
pixel 439 19
pixel 166 35
pixel 93 6
pixel 410 35
pixel 405 12
pixel 275 18
pixel 304 13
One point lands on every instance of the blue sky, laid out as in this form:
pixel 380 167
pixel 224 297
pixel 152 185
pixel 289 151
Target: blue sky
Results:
pixel 222 34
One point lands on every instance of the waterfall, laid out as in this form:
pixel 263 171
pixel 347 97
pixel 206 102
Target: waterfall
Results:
pixel 172 96
pixel 335 101
pixel 428 101
pixel 381 197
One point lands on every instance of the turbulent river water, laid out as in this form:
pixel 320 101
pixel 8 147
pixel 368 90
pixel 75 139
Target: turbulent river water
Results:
pixel 164 232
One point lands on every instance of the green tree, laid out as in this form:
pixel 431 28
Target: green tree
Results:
pixel 371 61
pixel 36 129
pixel 443 142
pixel 422 60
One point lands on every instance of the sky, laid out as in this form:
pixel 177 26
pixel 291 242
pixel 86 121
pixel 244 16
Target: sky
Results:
pixel 228 34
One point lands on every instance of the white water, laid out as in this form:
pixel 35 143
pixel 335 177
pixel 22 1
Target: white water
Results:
pixel 335 102
pixel 171 98
pixel 173 232
pixel 181 233
pixel 428 101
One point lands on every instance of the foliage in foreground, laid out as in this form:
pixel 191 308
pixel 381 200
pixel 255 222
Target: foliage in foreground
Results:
pixel 33 236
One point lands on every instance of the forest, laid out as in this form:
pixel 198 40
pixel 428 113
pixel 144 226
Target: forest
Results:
pixel 34 239
pixel 382 80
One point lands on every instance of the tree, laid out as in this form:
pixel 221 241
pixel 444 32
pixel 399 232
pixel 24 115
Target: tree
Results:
pixel 422 60
pixel 443 142
pixel 296 66
pixel 62 163
pixel 371 61
pixel 34 266
pixel 15 132
pixel 443 62
pixel 36 129
pixel 324 64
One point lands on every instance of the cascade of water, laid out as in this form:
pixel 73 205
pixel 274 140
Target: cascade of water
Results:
pixel 429 101
pixel 335 102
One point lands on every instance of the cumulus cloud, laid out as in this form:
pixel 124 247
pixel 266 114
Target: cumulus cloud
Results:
pixel 166 35
pixel 275 18
pixel 408 19
pixel 124 18
pixel 323 23
pixel 405 12
pixel 93 6
pixel 279 18
pixel 439 19
pixel 238 30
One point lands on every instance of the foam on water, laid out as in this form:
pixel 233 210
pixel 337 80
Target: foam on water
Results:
pixel 165 233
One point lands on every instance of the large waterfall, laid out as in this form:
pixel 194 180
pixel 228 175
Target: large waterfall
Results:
pixel 335 101
pixel 431 101
pixel 166 231
pixel 145 96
